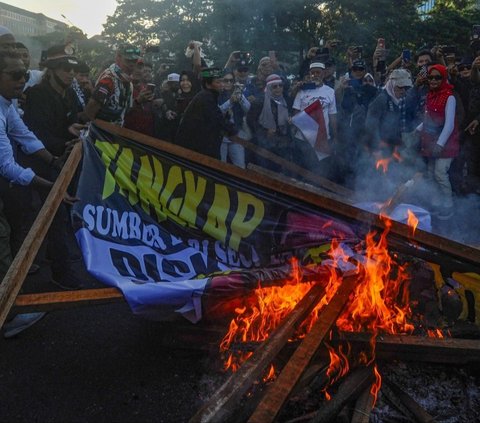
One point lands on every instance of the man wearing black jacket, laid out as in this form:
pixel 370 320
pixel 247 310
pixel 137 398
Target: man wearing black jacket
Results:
pixel 203 125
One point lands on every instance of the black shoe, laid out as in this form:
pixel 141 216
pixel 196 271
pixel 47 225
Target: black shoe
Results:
pixel 67 282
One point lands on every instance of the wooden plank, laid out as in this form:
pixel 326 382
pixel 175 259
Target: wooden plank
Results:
pixel 350 388
pixel 304 173
pixel 335 207
pixel 279 392
pixel 222 405
pixel 363 406
pixel 296 183
pixel 418 348
pixel 13 280
pixel 47 301
pixel 421 415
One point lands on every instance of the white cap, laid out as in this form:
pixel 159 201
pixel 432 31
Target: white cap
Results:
pixel 175 77
pixel 317 65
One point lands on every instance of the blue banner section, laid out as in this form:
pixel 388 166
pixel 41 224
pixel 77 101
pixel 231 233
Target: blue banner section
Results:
pixel 168 231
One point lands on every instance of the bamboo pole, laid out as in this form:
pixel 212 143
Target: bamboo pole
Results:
pixel 13 280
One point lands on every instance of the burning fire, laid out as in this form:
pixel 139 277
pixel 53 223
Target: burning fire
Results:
pixel 379 304
pixel 385 162
pixel 412 221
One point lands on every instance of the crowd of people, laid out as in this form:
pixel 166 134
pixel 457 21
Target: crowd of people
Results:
pixel 424 106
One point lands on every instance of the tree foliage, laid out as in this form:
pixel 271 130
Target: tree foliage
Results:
pixel 288 25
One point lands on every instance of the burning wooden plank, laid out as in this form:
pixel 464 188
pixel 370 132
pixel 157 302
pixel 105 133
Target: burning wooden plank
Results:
pixel 278 393
pixel 224 402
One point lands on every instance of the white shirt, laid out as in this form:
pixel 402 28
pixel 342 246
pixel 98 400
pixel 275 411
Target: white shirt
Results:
pixel 325 94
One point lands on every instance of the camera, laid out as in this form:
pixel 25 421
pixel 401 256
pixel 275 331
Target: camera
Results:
pixel 238 90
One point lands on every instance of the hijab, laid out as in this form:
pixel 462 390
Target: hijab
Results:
pixel 266 119
pixel 437 99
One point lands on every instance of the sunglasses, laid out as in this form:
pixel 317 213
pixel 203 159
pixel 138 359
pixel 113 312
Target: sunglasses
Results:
pixel 228 80
pixel 435 77
pixel 464 67
pixel 277 86
pixel 17 75
pixel 355 69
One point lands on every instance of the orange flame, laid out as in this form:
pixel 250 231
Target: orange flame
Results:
pixel 376 385
pixel 271 374
pixel 383 163
pixel 412 221
pixel 379 304
pixel 338 366
pixel 435 333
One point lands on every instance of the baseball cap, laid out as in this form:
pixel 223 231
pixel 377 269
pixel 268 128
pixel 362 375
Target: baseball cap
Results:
pixel 173 77
pixel 359 64
pixel 58 55
pixel 129 51
pixel 401 77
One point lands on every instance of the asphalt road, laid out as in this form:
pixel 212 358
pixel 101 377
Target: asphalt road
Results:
pixel 98 364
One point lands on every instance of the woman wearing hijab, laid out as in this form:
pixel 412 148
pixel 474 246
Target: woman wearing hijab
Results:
pixel 386 115
pixel 440 137
pixel 268 120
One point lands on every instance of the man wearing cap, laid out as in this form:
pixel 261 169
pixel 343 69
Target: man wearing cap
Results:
pixel 51 113
pixel 203 125
pixel 82 85
pixel 50 107
pixel 113 92
pixel 324 94
pixel 7 40
pixel 167 123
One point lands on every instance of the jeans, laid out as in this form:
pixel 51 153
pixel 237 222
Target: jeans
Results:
pixel 235 152
pixel 438 171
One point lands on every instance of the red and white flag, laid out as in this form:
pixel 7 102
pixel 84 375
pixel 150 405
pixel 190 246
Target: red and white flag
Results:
pixel 311 123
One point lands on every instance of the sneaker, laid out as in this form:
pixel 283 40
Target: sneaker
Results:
pixel 21 322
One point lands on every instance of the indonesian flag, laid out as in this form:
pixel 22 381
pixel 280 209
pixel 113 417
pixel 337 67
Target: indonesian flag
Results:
pixel 311 124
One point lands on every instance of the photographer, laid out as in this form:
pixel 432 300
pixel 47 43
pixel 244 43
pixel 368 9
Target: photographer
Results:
pixel 234 106
pixel 140 117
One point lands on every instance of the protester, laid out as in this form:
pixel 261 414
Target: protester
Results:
pixel 141 116
pixel 304 154
pixel 234 106
pixel 203 125
pixel 13 135
pixel 268 120
pixel 386 117
pixel 82 85
pixel 113 92
pixel 439 137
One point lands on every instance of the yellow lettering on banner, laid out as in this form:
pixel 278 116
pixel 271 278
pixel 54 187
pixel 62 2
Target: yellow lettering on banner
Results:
pixel 167 201
pixel 215 225
pixel 109 151
pixel 240 227
pixel 193 197
pixel 149 184
pixel 123 176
